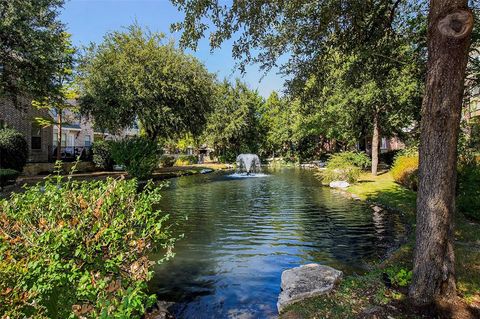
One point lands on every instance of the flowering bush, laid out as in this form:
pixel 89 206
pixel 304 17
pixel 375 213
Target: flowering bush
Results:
pixel 73 249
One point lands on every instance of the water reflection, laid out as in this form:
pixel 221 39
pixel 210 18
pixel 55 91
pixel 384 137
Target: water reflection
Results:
pixel 242 233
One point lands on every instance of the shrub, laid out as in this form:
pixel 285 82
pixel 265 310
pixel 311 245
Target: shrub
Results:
pixel 139 156
pixel 405 171
pixel 185 160
pixel 167 161
pixel 468 200
pixel 102 155
pixel 7 175
pixel 345 166
pixel 349 174
pixel 345 159
pixel 13 149
pixel 72 249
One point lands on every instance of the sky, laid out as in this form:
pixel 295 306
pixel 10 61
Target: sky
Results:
pixel 89 20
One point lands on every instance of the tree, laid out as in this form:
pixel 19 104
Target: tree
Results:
pixel 234 126
pixel 64 95
pixel 133 75
pixel 450 25
pixel 31 44
pixel 306 29
pixel 276 119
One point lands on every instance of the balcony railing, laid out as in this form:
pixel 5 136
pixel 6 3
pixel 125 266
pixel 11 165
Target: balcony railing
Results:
pixel 70 153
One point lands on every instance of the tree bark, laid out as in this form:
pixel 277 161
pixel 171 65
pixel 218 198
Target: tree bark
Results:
pixel 449 28
pixel 375 143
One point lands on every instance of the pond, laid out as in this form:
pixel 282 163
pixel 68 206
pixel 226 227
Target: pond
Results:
pixel 241 233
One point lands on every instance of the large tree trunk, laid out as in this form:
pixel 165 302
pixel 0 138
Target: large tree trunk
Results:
pixel 449 29
pixel 375 144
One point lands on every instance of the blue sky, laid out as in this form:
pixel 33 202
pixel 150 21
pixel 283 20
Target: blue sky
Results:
pixel 89 20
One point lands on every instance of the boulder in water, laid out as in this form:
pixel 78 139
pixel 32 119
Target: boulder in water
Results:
pixel 306 281
pixel 339 184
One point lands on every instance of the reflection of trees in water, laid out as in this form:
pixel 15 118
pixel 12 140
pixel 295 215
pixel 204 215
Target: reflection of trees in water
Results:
pixel 241 233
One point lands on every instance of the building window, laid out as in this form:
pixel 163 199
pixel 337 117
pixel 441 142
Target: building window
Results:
pixel 384 144
pixel 88 141
pixel 36 137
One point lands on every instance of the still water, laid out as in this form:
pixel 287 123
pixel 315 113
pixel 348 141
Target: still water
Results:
pixel 241 233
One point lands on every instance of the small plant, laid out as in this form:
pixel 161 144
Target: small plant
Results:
pixel 7 175
pixel 405 170
pixel 185 160
pixel 102 155
pixel 13 149
pixel 399 277
pixel 138 155
pixel 71 249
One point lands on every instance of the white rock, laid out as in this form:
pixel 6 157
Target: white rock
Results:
pixel 306 281
pixel 376 208
pixel 339 184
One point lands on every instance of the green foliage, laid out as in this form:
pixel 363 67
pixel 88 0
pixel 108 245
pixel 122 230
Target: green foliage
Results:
pixel 167 160
pixel 399 277
pixel 7 175
pixel 102 155
pixel 277 125
pixel 469 142
pixel 13 149
pixel 72 249
pixel 405 169
pixel 134 75
pixel 342 76
pixel 468 200
pixel 346 166
pixel 139 156
pixel 234 126
pixel 347 173
pixel 345 159
pixel 32 46
pixel 185 160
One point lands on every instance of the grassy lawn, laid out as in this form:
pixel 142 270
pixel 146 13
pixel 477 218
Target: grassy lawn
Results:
pixel 372 295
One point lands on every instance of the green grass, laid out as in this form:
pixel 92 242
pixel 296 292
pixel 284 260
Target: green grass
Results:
pixel 383 190
pixel 356 294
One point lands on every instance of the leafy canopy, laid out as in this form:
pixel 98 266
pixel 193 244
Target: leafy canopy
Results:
pixel 134 75
pixel 234 127
pixel 31 47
